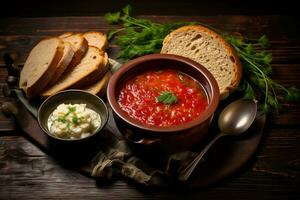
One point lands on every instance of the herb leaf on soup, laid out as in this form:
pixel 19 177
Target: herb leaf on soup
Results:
pixel 167 97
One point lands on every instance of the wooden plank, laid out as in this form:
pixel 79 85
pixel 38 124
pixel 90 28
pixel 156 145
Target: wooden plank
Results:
pixel 18 36
pixel 149 7
pixel 25 170
pixel 7 126
pixel 3 76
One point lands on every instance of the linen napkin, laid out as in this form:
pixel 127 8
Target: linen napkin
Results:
pixel 117 157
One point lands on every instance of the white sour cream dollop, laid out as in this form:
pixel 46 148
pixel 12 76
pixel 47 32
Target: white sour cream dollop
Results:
pixel 73 121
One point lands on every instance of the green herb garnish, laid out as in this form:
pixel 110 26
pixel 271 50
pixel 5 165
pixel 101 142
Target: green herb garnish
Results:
pixel 256 83
pixel 167 97
pixel 62 119
pixel 141 37
pixel 75 120
pixel 71 109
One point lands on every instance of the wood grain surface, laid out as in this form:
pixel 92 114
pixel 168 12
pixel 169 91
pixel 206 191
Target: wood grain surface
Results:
pixel 273 173
pixel 50 8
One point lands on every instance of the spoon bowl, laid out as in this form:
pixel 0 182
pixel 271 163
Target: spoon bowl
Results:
pixel 235 119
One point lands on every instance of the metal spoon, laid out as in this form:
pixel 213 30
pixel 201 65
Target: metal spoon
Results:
pixel 235 119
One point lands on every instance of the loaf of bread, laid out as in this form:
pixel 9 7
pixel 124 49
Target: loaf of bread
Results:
pixel 92 62
pixel 41 65
pixel 96 39
pixel 210 50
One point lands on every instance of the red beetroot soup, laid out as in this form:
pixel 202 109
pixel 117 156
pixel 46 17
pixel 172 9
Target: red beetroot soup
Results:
pixel 163 98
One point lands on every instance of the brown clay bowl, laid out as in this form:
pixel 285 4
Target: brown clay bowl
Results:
pixel 163 139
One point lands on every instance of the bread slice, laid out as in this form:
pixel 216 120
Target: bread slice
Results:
pixel 79 45
pixel 209 49
pixel 41 65
pixel 91 63
pixel 63 63
pixel 94 77
pixel 96 39
pixel 99 87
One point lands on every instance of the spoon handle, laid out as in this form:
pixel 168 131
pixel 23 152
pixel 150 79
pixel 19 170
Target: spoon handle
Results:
pixel 185 172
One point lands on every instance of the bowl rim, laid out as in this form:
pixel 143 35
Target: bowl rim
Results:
pixel 214 100
pixel 77 139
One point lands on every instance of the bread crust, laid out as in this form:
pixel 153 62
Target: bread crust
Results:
pixel 66 34
pixel 231 52
pixel 99 87
pixel 63 63
pixel 102 35
pixel 94 77
pixel 44 79
pixel 79 53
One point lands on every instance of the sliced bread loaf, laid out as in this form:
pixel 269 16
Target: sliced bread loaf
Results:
pixel 96 39
pixel 99 87
pixel 63 63
pixel 79 45
pixel 210 50
pixel 91 63
pixel 41 65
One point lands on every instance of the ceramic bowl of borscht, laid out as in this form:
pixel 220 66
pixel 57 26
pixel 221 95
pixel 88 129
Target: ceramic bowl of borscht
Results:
pixel 162 102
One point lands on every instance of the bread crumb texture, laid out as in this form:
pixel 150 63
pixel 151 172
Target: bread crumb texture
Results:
pixel 206 49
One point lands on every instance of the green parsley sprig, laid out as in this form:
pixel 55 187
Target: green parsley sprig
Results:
pixel 75 119
pixel 257 83
pixel 167 97
pixel 141 37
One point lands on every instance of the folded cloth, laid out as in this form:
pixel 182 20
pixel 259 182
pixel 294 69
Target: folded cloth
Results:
pixel 117 157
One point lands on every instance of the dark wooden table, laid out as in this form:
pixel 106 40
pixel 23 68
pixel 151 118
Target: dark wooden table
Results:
pixel 26 172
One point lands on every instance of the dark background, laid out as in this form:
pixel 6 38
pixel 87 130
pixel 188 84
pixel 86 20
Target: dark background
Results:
pixel 49 8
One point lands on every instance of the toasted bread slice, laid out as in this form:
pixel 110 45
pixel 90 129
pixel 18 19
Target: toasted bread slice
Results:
pixel 99 87
pixel 210 50
pixel 91 63
pixel 96 39
pixel 63 63
pixel 79 45
pixel 41 65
